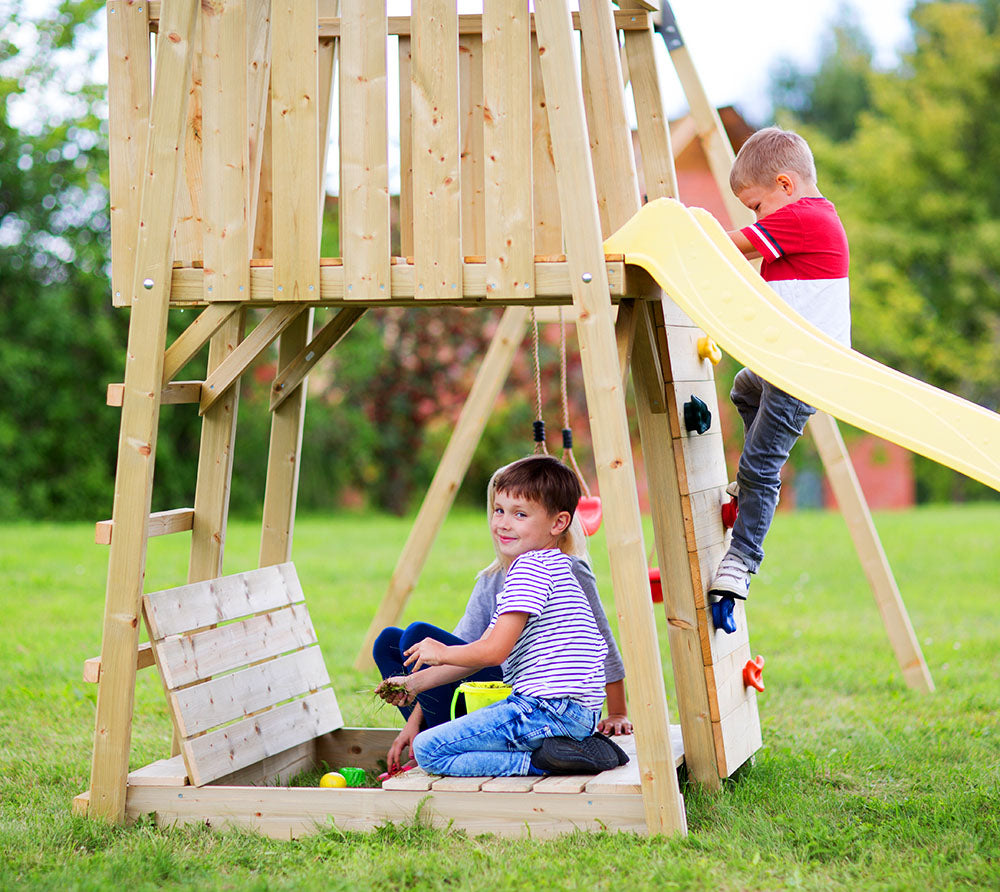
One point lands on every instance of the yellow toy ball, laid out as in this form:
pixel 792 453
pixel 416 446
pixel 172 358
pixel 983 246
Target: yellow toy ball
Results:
pixel 333 779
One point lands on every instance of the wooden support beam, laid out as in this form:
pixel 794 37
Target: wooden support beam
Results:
pixel 510 253
pixel 546 223
pixel 239 360
pixel 331 334
pixel 449 475
pixel 143 660
pixel 161 523
pixel 187 344
pixel 852 504
pixel 149 297
pixel 472 155
pixel 664 807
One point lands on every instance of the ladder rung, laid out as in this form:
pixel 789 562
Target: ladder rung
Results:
pixel 173 393
pixel 161 523
pixel 143 660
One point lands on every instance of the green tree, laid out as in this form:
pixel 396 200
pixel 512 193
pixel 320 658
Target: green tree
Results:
pixel 59 340
pixel 916 186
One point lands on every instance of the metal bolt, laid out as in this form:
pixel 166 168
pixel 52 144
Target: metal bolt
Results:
pixel 147 284
pixel 587 278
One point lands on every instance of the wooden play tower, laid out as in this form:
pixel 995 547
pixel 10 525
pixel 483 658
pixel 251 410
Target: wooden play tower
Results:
pixel 516 163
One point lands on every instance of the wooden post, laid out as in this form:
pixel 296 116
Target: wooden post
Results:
pixel 449 475
pixel 140 412
pixel 851 500
pixel 612 449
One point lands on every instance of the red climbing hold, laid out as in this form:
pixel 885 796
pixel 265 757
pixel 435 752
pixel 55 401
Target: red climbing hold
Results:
pixel 753 673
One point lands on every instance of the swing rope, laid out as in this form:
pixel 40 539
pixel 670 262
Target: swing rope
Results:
pixel 567 432
pixel 538 426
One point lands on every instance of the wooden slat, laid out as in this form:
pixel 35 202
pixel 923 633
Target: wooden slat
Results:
pixel 162 773
pixel 562 783
pixel 405 148
pixel 225 150
pixel 140 414
pixel 161 523
pixel 459 784
pixel 364 164
pixel 92 667
pixel 437 248
pixel 662 801
pixel 473 162
pixel 610 134
pixel 221 752
pixel 174 393
pixel 685 364
pixel 716 646
pixel 507 150
pixel 295 134
pixel 331 334
pixel 239 360
pixel 547 226
pixel 187 344
pixel 274 770
pixel 737 736
pixel 174 611
pixel 188 214
pixel 128 123
pixel 510 784
pixel 184 659
pixel 726 690
pixel 658 172
pixel 258 104
pixel 414 779
pixel 221 700
pixel 702 460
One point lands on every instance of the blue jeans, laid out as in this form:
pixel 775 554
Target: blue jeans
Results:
pixel 500 738
pixel 436 702
pixel 772 421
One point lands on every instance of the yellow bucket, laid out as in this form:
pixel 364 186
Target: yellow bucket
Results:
pixel 479 694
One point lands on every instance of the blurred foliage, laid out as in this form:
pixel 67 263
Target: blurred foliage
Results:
pixel 915 183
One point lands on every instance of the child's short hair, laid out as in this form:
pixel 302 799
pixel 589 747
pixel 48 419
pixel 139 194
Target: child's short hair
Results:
pixel 767 153
pixel 543 479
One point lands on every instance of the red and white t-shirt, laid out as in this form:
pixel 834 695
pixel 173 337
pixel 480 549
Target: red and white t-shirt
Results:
pixel 806 262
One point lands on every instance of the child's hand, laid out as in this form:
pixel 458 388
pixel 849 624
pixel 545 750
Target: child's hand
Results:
pixel 425 653
pixel 614 724
pixel 396 691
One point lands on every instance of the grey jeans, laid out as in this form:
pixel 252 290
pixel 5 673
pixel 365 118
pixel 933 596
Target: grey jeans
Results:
pixel 772 421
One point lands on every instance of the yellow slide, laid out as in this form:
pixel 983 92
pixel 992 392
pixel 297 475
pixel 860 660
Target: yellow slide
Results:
pixel 699 268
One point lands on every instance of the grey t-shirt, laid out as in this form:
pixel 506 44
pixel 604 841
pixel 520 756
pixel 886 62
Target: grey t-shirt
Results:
pixel 483 602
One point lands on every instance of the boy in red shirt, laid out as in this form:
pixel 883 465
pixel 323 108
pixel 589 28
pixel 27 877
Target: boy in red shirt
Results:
pixel 805 260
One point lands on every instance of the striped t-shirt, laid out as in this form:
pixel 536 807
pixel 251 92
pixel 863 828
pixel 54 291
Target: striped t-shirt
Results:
pixel 560 653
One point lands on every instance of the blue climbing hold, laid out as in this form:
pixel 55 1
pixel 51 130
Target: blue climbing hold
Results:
pixel 722 614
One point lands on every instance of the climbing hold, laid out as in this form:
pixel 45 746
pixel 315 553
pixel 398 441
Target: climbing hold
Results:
pixel 722 614
pixel 697 416
pixel 655 587
pixel 753 673
pixel 708 349
pixel 729 512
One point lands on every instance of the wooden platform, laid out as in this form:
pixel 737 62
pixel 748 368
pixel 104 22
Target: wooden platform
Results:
pixel 557 804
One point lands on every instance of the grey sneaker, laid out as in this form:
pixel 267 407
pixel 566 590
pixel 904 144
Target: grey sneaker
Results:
pixel 732 577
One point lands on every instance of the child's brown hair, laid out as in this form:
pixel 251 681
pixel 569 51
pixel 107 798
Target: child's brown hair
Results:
pixel 766 154
pixel 542 479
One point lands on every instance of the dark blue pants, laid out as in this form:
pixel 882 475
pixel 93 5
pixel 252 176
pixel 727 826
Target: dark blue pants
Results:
pixel 435 703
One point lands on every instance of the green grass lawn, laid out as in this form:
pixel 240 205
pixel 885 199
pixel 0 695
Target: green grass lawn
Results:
pixel 861 784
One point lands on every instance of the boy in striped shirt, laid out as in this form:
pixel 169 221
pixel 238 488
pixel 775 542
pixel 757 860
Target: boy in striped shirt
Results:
pixel 544 629
pixel 805 260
